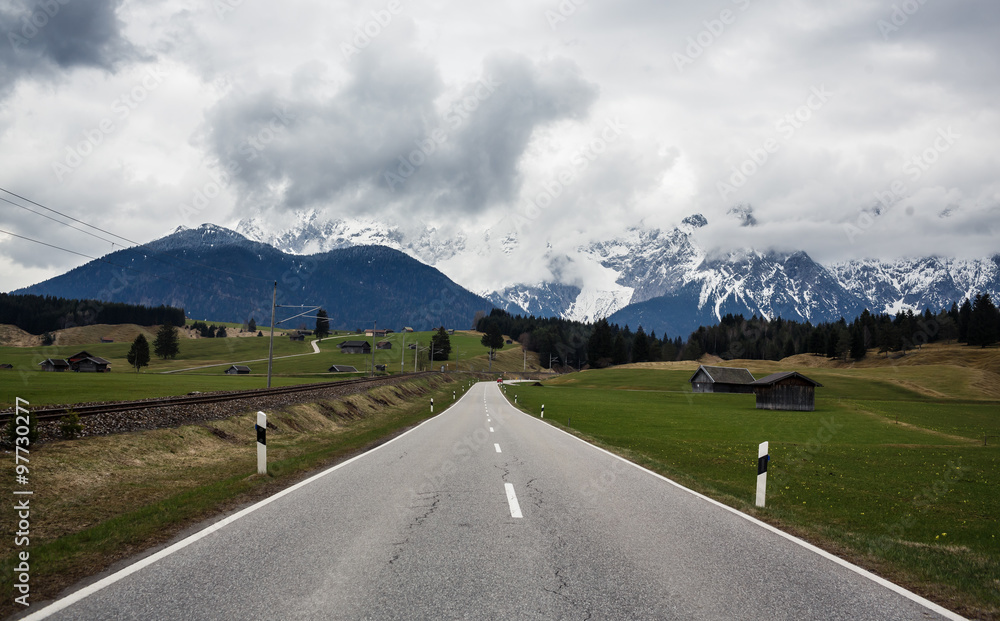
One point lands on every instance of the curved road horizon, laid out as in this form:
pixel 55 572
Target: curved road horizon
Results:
pixel 485 512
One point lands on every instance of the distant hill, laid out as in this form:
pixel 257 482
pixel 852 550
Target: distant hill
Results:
pixel 356 285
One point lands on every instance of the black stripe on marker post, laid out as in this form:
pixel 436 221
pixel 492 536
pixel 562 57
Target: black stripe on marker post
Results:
pixel 762 464
pixel 261 434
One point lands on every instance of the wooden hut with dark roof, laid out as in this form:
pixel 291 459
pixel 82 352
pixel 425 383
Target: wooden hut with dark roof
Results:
pixel 57 365
pixel 722 379
pixel 85 362
pixel 786 391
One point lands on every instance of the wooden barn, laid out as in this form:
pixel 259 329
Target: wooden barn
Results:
pixel 355 347
pixel 53 365
pixel 722 379
pixel 383 345
pixel 371 332
pixel 238 369
pixel 341 368
pixel 786 391
pixel 85 362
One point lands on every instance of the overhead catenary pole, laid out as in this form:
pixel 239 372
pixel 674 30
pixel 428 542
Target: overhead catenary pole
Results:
pixel 374 325
pixel 270 346
pixel 402 354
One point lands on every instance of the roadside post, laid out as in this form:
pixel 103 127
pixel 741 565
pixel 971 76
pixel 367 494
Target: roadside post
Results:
pixel 261 428
pixel 762 459
pixel 543 410
pixel 432 405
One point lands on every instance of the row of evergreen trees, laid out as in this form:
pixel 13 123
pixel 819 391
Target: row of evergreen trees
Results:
pixel 573 343
pixel 37 314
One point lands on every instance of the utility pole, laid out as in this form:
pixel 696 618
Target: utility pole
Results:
pixel 270 346
pixel 374 325
pixel 402 353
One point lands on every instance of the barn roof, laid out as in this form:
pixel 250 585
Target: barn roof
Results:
pixel 94 359
pixel 355 344
pixel 342 368
pixel 725 375
pixel 774 378
pixel 56 362
pixel 240 367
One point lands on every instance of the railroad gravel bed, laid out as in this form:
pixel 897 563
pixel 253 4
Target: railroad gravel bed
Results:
pixel 177 415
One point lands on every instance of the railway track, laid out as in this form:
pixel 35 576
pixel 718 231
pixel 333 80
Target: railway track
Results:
pixel 48 414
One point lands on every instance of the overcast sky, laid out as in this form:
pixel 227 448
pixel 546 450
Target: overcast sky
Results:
pixel 854 128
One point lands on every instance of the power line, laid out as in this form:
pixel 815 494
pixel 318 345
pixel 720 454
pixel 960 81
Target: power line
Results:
pixel 99 237
pixel 102 260
pixel 59 221
pixel 131 241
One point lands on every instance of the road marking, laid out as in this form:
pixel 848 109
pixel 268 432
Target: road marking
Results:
pixel 515 509
pixel 72 598
pixel 491 429
pixel 497 447
pixel 913 597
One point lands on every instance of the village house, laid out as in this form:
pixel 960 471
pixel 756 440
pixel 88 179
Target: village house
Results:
pixel 85 362
pixel 786 391
pixel 355 347
pixel 383 345
pixel 722 379
pixel 53 365
pixel 238 369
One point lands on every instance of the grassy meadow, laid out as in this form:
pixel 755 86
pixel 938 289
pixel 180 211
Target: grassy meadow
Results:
pixel 890 471
pixel 201 363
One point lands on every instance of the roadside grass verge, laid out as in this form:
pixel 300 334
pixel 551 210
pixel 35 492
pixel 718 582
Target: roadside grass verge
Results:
pixel 100 500
pixel 915 501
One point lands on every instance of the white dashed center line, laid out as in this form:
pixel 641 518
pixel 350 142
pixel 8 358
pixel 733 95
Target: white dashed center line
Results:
pixel 497 447
pixel 491 429
pixel 515 509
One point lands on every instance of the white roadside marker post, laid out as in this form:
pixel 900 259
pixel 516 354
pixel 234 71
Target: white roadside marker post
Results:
pixel 543 410
pixel 261 428
pixel 453 395
pixel 762 459
pixel 432 406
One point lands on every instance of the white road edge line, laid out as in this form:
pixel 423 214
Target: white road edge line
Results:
pixel 515 509
pixel 926 603
pixel 88 590
pixel 497 447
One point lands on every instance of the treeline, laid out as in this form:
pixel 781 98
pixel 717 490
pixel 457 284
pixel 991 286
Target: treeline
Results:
pixel 37 314
pixel 975 323
pixel 573 343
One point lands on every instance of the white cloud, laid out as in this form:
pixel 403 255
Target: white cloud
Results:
pixel 226 73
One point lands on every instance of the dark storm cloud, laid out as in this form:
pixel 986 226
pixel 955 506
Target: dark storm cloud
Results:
pixel 393 136
pixel 46 36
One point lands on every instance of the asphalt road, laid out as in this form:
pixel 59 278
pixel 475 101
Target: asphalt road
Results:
pixel 427 527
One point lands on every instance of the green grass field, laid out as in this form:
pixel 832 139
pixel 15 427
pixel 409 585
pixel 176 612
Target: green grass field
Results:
pixel 915 500
pixel 201 364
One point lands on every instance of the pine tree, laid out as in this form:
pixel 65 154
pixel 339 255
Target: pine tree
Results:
pixel 983 322
pixel 252 325
pixel 167 344
pixel 322 324
pixel 964 315
pixel 138 354
pixel 640 346
pixel 441 344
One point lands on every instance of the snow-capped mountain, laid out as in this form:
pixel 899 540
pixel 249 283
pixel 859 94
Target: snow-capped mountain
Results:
pixel 662 279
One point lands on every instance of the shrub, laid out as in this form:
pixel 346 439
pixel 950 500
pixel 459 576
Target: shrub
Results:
pixel 70 425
